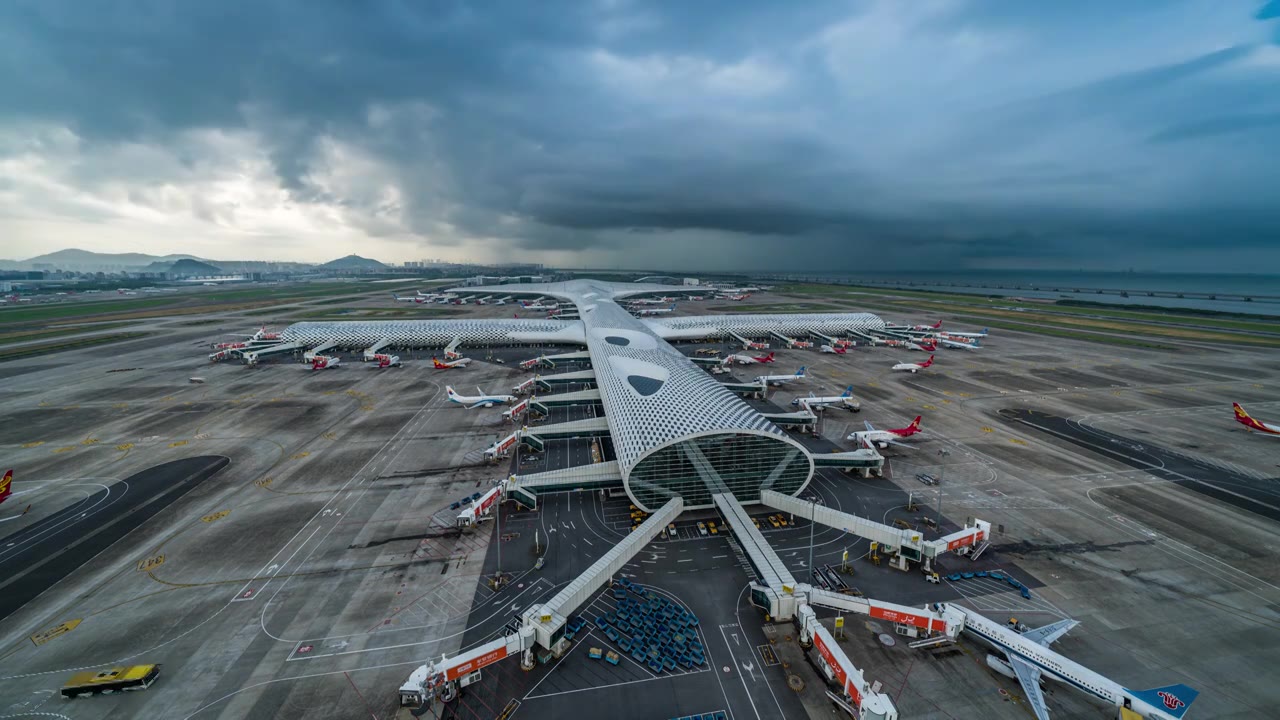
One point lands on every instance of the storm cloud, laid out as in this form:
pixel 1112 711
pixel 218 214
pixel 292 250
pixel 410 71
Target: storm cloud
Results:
pixel 939 133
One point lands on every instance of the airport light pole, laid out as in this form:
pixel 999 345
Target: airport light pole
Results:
pixel 813 510
pixel 941 471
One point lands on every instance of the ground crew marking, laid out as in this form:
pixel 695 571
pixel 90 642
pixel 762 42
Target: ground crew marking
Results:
pixel 299 456
pixel 68 448
pixel 150 563
pixel 264 482
pixel 987 429
pixel 215 516
pixel 1017 441
pixel 89 441
pixel 56 631
pixel 124 446
pixel 34 443
pixel 178 443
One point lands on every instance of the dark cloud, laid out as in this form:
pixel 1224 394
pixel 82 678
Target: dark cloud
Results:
pixel 867 132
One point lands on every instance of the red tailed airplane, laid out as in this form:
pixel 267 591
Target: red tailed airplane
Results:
pixel 1243 418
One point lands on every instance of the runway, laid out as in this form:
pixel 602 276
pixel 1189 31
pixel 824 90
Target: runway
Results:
pixel 35 558
pixel 1237 489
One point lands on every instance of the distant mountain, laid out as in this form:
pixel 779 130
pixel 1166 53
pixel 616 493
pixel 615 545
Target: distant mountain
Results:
pixel 353 262
pixel 84 260
pixel 193 268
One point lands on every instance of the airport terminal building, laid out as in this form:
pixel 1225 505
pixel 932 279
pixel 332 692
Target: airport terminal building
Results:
pixel 677 431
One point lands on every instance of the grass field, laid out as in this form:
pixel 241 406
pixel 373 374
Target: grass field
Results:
pixel 53 347
pixel 53 332
pixel 1063 317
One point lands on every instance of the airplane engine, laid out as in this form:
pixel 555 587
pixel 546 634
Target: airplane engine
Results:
pixel 1001 666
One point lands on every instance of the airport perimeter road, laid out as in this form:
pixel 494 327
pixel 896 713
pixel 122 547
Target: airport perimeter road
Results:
pixel 37 557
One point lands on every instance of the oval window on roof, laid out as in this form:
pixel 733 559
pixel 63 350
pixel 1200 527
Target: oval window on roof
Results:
pixel 644 385
pixel 616 340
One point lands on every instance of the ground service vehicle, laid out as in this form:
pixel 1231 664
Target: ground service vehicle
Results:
pixel 117 679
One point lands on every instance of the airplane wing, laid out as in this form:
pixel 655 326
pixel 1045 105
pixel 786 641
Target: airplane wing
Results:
pixel 898 444
pixel 479 391
pixel 1046 634
pixel 476 405
pixel 870 427
pixel 1029 676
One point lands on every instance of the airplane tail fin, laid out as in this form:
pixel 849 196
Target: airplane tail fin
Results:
pixel 915 424
pixel 1240 413
pixel 1172 699
pixel 800 372
pixel 928 362
pixel 848 392
pixel 6 485
pixel 448 390
pixel 937 325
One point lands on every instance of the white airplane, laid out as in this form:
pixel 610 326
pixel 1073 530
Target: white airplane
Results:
pixel 419 299
pixel 884 438
pixel 1028 658
pixel 482 400
pixel 537 305
pixel 386 361
pixel 651 301
pixel 844 400
pixel 981 334
pixel 645 312
pixel 835 350
pixel 959 344
pixel 325 362
pixel 456 363
pixel 781 379
pixel 913 367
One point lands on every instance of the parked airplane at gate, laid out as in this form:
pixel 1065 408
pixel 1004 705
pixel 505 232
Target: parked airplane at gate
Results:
pixel 451 364
pixel 6 485
pixel 1029 659
pixel 645 312
pixel 385 361
pixel 925 345
pixel 843 400
pixel 747 359
pixel 961 344
pixel 884 438
pixel 482 400
pixel 913 367
pixel 781 379
pixel 325 362
pixel 836 350
pixel 1243 418
pixel 954 335
pixel 419 299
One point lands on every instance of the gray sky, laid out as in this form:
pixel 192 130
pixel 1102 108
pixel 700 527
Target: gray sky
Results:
pixel 713 134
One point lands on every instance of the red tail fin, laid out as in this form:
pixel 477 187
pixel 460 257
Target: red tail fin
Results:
pixel 937 325
pixel 915 424
pixel 6 484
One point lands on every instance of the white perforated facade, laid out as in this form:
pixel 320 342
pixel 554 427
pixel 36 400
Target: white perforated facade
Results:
pixel 676 430
pixel 435 333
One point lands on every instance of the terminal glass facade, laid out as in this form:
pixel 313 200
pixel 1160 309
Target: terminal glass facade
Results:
pixel 738 463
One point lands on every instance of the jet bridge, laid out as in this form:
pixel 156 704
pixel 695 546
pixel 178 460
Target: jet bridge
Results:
pixel 310 355
pixel 542 404
pixel 548 619
pixel 250 357
pixel 871 705
pixel 581 477
pixel 373 349
pixel 789 342
pixel 865 461
pixel 778 582
pixel 759 389
pixel 824 339
pixel 544 382
pixel 907 544
pixel 803 419
pixel 589 427
pixel 861 335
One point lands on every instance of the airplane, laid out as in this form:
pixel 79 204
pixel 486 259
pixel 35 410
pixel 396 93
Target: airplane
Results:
pixel 419 299
pixel 739 297
pixel 325 362
pixel 230 346
pixel 537 305
pixel 1243 418
pixel 837 350
pixel 884 438
pixel 913 367
pixel 482 400
pixel 747 359
pixel 645 312
pixel 451 364
pixel 385 361
pixel 959 344
pixel 651 301
pixel 1029 659
pixel 844 400
pixel 262 334
pixel 925 345
pixel 983 333
pixel 6 485
pixel 781 379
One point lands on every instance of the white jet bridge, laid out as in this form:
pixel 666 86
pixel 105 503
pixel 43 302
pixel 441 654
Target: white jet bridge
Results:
pixel 373 349
pixel 310 355
pixel 903 543
pixel 542 624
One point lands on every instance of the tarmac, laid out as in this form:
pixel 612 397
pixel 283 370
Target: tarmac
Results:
pixel 310 575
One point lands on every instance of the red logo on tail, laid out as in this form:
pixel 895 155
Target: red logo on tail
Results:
pixel 1171 701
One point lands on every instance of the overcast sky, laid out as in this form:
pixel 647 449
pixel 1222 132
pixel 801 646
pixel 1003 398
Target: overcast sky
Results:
pixel 710 134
